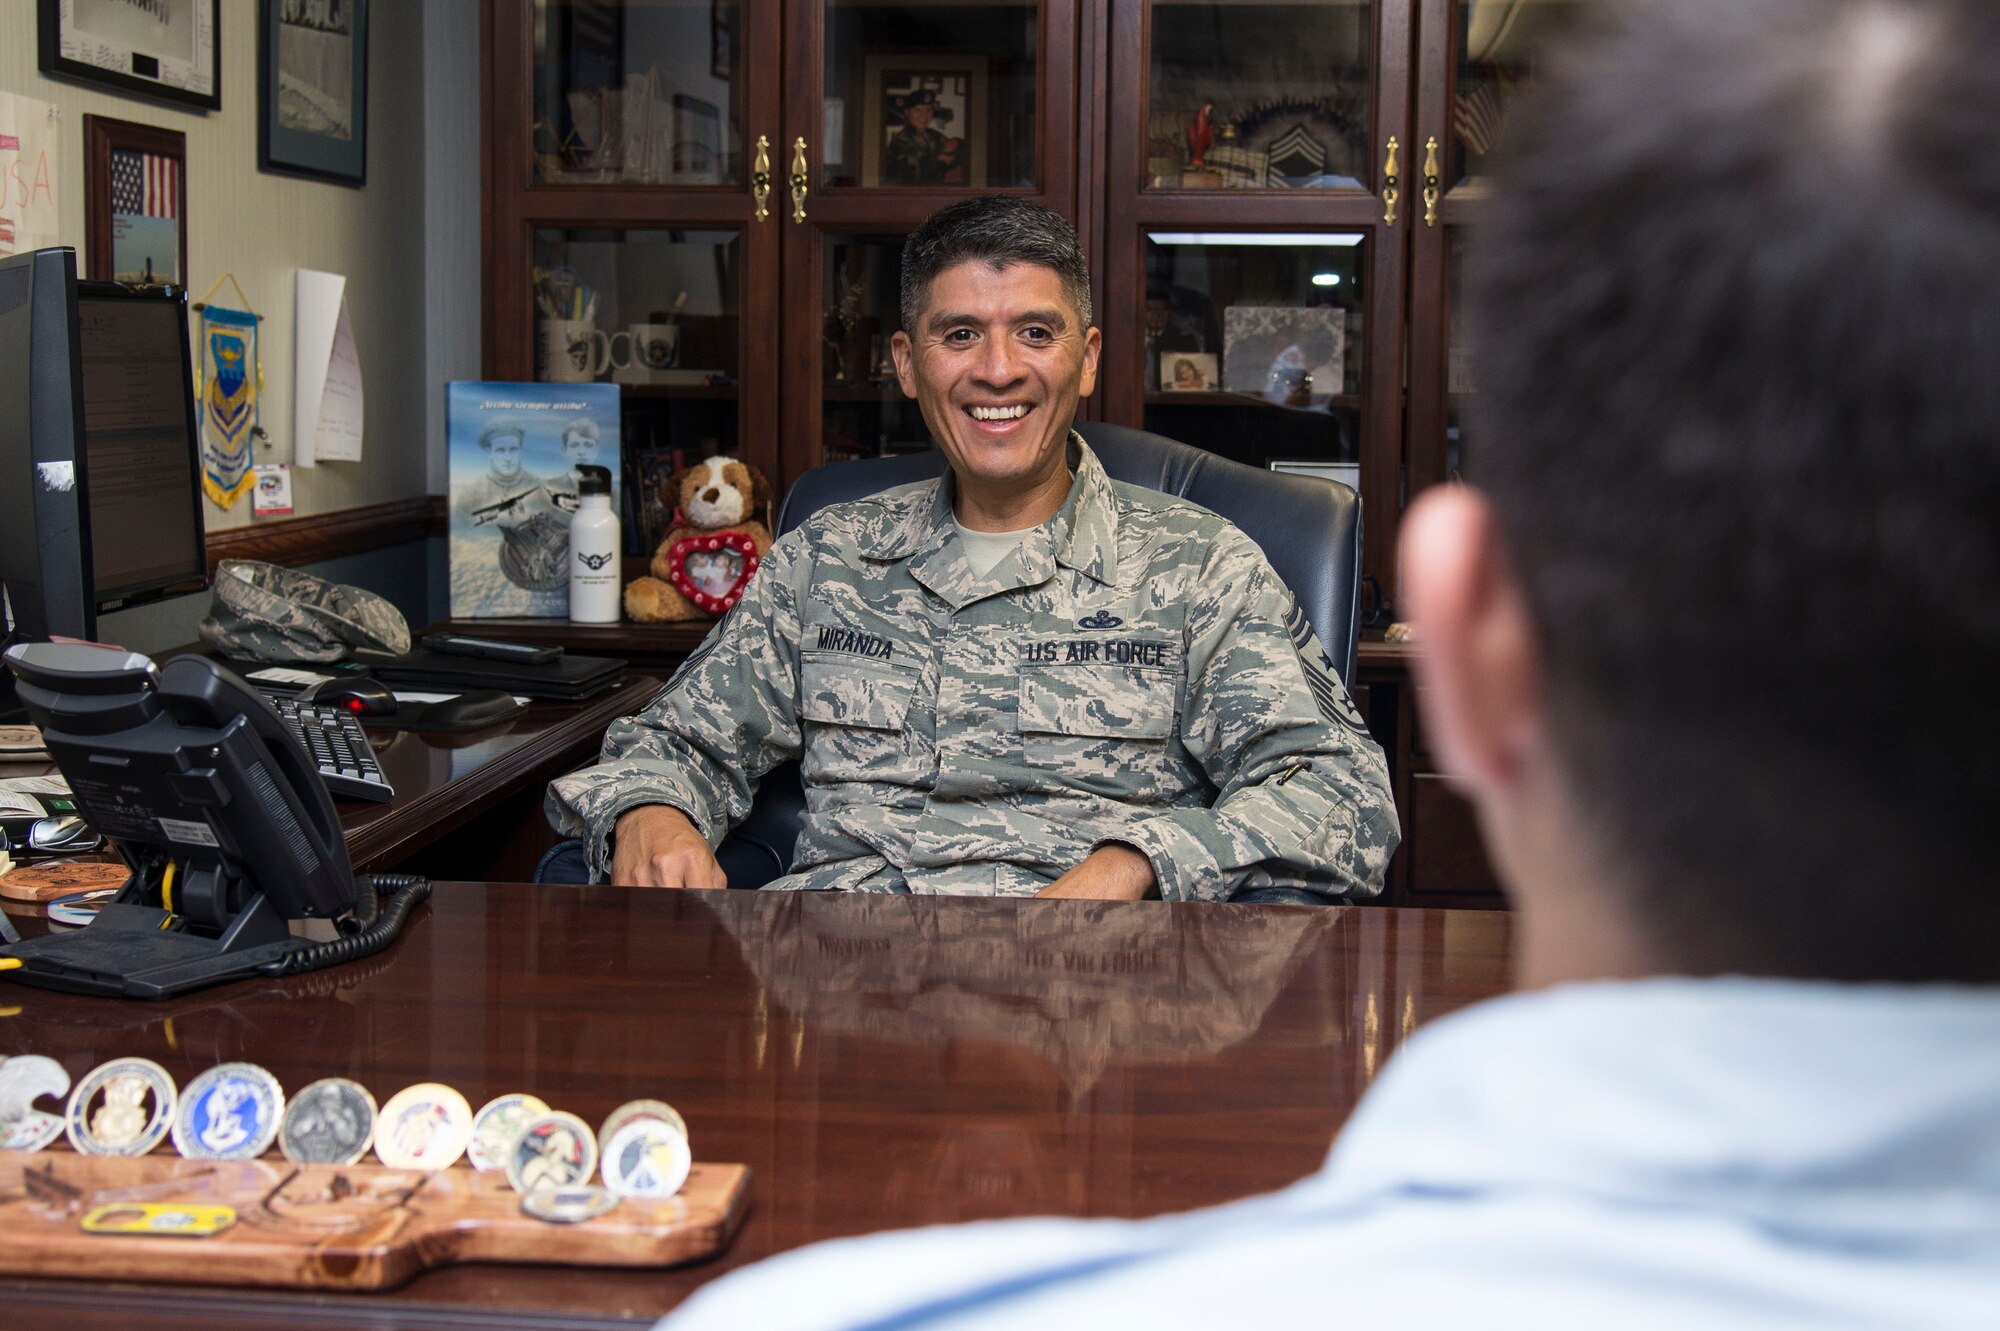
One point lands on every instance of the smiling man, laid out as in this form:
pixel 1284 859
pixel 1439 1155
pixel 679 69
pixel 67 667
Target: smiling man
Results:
pixel 1022 678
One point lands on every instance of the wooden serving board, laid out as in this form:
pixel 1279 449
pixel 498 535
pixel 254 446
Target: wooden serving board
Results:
pixel 354 1227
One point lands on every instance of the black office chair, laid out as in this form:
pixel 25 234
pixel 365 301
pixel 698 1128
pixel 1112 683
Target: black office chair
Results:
pixel 1310 530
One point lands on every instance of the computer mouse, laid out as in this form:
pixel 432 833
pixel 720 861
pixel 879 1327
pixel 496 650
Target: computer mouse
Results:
pixel 469 711
pixel 361 695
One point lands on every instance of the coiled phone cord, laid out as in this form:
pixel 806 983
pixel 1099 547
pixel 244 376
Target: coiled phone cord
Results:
pixel 371 931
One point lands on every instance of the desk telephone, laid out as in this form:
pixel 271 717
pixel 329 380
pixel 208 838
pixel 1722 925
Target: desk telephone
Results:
pixel 219 813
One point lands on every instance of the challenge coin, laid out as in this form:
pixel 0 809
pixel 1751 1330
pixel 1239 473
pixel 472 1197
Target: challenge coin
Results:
pixel 331 1122
pixel 26 1078
pixel 646 1159
pixel 632 1109
pixel 568 1206
pixel 31 1132
pixel 496 1125
pixel 552 1150
pixel 61 878
pixel 135 1111
pixel 230 1112
pixel 425 1126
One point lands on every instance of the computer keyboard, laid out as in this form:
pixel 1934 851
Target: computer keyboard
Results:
pixel 339 748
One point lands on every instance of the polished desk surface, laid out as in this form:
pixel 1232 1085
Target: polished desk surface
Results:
pixel 877 1061
pixel 441 780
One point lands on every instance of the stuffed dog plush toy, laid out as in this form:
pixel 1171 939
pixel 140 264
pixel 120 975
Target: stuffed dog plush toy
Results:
pixel 706 559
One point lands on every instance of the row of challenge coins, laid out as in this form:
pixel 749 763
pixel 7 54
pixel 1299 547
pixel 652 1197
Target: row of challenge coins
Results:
pixel 235 1110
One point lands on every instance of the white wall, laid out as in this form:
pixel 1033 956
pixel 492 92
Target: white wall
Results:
pixel 264 227
pixel 452 143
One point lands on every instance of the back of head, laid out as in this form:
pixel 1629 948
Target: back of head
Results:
pixel 998 230
pixel 1737 313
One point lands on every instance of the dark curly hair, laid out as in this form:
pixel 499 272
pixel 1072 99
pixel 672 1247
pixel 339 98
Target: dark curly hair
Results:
pixel 999 230
pixel 1736 313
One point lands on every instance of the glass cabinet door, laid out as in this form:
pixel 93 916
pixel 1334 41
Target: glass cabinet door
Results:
pixel 1483 57
pixel 1255 225
pixel 1275 96
pixel 637 92
pixel 624 243
pixel 892 109
pixel 1492 49
pixel 929 96
pixel 1252 346
pixel 659 312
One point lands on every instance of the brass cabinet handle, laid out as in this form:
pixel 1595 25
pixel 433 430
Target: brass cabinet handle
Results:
pixel 760 177
pixel 1431 182
pixel 1389 182
pixel 801 180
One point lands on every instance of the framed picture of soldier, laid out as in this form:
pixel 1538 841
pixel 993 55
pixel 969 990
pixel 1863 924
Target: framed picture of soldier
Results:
pixel 924 121
pixel 312 89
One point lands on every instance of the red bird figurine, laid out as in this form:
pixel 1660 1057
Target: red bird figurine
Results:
pixel 1200 135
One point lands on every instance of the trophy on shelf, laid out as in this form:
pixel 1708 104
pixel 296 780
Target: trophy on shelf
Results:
pixel 838 332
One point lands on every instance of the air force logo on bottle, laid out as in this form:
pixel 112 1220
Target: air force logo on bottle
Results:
pixel 1103 619
pixel 594 562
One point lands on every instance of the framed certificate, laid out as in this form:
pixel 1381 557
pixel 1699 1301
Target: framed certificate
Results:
pixel 170 49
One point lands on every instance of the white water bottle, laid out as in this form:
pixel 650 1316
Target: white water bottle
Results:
pixel 594 571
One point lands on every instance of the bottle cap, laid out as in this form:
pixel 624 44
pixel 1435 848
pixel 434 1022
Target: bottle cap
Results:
pixel 593 480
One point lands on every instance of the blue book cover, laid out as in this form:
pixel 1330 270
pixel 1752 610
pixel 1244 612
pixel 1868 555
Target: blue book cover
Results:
pixel 512 453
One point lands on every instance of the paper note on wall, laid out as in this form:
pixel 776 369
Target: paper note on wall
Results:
pixel 29 165
pixel 326 403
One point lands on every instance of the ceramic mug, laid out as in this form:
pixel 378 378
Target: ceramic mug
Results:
pixel 570 351
pixel 655 346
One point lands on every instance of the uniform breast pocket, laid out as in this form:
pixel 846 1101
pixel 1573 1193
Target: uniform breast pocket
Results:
pixel 1105 725
pixel 854 712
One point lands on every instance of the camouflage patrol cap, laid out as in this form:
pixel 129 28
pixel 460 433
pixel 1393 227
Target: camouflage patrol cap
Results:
pixel 266 613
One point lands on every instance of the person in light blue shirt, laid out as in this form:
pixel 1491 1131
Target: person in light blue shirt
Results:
pixel 1713 646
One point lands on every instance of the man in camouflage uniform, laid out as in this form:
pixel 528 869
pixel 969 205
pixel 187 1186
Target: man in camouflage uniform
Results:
pixel 1021 679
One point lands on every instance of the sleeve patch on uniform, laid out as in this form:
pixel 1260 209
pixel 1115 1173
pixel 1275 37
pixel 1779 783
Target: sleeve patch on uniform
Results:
pixel 1321 678
pixel 700 654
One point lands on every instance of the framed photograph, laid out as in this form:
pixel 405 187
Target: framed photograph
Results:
pixel 1189 372
pixel 135 202
pixel 697 156
pixel 1347 473
pixel 1282 354
pixel 924 120
pixel 312 89
pixel 170 49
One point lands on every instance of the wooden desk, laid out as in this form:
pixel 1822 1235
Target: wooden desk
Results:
pixel 877 1061
pixel 470 803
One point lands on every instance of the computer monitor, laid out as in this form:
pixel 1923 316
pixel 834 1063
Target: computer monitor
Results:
pixel 45 581
pixel 97 416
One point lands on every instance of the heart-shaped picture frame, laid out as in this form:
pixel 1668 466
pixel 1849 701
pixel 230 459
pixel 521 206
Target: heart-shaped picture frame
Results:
pixel 713 568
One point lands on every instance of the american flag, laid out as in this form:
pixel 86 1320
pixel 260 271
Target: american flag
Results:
pixel 144 183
